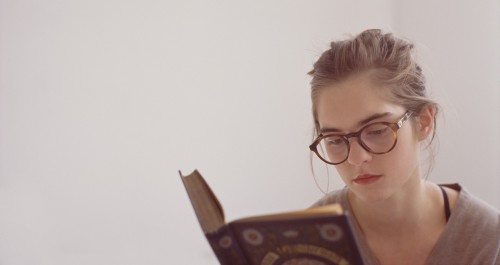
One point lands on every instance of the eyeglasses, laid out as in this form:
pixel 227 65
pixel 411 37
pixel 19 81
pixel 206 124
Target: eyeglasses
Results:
pixel 376 138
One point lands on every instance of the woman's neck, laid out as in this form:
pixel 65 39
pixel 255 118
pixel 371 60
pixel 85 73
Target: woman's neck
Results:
pixel 410 210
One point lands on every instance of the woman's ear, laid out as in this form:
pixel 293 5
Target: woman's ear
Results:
pixel 425 122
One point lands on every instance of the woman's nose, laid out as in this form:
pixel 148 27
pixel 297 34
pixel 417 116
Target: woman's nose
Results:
pixel 357 154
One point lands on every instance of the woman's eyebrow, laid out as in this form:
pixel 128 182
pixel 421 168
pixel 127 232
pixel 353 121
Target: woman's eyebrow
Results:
pixel 373 117
pixel 360 123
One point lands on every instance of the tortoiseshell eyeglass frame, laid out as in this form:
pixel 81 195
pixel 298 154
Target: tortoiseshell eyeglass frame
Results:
pixel 345 137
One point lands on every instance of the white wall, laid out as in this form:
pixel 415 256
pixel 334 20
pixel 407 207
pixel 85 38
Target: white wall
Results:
pixel 101 102
pixel 459 46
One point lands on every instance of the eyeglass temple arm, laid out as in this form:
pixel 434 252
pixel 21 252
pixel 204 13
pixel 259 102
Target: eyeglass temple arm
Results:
pixel 404 118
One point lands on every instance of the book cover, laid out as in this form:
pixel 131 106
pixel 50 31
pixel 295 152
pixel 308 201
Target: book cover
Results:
pixel 314 236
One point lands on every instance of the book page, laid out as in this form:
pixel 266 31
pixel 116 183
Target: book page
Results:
pixel 332 209
pixel 207 208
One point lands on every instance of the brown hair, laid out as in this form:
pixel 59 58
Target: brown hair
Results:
pixel 394 65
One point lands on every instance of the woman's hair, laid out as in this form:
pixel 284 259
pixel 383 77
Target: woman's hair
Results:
pixel 391 60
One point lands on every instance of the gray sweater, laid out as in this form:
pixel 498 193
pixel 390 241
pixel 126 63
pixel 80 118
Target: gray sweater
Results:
pixel 471 236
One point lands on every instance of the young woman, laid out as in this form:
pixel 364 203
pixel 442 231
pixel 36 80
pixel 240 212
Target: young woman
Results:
pixel 372 115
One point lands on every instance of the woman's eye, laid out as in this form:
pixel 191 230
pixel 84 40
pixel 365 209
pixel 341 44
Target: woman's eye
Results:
pixel 334 141
pixel 378 131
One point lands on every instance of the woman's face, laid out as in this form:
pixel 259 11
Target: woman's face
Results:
pixel 348 106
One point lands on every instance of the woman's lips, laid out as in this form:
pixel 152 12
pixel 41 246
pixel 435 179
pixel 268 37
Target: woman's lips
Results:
pixel 366 179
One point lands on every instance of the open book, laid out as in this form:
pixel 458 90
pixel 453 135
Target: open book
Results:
pixel 314 236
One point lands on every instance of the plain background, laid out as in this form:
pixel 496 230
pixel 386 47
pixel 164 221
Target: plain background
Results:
pixel 102 101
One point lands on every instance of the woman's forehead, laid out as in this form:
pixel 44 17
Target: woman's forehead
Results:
pixel 348 103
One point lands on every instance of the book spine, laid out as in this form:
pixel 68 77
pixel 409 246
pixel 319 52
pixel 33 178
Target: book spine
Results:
pixel 226 247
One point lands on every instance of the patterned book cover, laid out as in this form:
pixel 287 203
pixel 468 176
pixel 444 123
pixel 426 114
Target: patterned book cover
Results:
pixel 226 247
pixel 315 240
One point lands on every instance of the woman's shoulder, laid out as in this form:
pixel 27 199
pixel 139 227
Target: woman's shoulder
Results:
pixel 472 234
pixel 475 221
pixel 469 206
